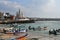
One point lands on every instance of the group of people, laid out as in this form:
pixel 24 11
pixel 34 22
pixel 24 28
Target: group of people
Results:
pixel 4 30
pixel 54 31
pixel 11 31
pixel 30 28
pixel 38 28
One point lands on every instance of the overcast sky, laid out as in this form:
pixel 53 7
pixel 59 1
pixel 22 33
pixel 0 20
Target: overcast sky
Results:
pixel 32 8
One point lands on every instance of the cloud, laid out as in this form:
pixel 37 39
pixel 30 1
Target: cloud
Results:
pixel 50 6
pixel 11 6
pixel 35 8
pixel 43 8
pixel 50 9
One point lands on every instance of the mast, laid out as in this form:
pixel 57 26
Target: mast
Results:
pixel 19 12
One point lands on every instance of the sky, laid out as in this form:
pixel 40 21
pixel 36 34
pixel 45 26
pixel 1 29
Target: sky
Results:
pixel 32 8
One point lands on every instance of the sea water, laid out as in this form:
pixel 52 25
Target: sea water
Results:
pixel 42 24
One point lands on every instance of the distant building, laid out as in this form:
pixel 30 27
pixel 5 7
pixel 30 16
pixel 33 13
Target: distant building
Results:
pixel 19 15
pixel 7 16
pixel 12 17
pixel 1 16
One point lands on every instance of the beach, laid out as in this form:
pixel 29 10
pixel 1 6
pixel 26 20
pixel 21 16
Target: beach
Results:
pixel 42 37
pixel 32 36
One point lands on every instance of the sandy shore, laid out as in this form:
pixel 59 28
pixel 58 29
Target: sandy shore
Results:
pixel 33 35
pixel 42 37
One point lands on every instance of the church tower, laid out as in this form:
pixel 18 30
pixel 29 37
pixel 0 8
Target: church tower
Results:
pixel 19 14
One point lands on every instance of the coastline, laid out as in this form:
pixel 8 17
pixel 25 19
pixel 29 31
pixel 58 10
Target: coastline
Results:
pixel 10 22
pixel 42 37
pixel 32 36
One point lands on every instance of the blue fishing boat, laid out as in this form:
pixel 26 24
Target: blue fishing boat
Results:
pixel 15 29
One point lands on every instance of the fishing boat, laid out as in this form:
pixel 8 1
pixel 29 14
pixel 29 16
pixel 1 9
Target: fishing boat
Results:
pixel 15 29
pixel 21 36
